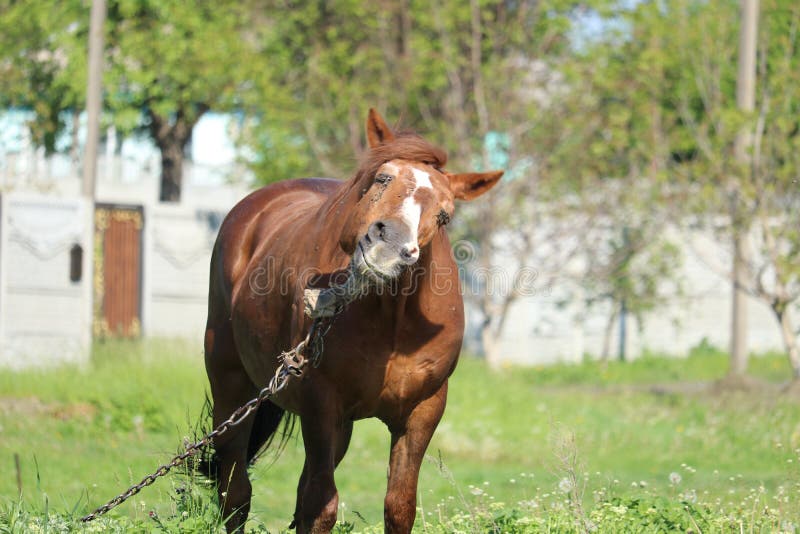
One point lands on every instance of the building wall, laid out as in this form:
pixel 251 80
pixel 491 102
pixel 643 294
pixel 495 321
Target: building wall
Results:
pixel 44 320
pixel 178 245
pixel 540 329
pixel 44 316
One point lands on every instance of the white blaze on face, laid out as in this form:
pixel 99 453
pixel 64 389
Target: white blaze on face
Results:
pixel 411 210
pixel 422 178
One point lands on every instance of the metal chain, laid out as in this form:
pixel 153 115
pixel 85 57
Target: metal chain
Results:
pixel 292 364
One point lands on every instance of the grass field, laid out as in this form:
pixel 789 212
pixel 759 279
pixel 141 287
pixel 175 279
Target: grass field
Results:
pixel 640 447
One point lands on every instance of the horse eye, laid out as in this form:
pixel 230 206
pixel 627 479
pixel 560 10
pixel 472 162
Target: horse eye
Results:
pixel 383 178
pixel 442 218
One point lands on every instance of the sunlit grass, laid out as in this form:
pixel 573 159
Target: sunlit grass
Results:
pixel 83 435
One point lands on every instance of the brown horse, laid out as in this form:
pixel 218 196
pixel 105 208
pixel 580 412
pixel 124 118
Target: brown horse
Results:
pixel 388 354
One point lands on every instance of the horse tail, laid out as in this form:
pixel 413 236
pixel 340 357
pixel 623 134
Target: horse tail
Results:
pixel 270 421
pixel 205 463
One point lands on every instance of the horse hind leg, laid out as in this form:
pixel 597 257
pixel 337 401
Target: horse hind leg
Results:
pixel 230 389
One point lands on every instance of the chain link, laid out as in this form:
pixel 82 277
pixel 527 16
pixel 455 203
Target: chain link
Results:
pixel 292 364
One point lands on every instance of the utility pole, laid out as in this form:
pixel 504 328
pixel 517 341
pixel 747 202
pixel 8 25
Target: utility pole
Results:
pixel 745 101
pixel 94 97
pixel 94 102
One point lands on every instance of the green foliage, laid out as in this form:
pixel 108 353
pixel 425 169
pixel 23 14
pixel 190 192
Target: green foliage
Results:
pixel 172 57
pixel 43 63
pixel 328 63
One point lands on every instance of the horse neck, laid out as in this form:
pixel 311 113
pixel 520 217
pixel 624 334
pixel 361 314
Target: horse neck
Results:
pixel 421 282
pixel 332 216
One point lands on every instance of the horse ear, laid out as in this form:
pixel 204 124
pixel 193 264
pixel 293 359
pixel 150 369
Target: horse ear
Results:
pixel 377 130
pixel 467 186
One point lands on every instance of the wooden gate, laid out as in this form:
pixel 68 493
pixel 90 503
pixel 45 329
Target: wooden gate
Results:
pixel 118 271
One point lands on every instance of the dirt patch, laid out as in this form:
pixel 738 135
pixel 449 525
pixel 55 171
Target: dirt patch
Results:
pixel 742 384
pixel 33 406
pixel 792 389
pixel 716 388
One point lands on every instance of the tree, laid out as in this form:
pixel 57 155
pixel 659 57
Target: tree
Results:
pixel 751 200
pixel 174 61
pixel 328 63
pixel 486 79
pixel 43 64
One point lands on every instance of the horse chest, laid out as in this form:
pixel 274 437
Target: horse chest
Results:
pixel 413 377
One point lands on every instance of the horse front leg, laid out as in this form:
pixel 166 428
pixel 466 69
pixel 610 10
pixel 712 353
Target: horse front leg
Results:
pixel 342 443
pixel 325 439
pixel 409 442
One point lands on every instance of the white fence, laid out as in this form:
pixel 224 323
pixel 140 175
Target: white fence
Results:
pixel 45 314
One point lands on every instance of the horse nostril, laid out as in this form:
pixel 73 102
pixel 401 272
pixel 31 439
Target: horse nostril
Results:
pixel 377 231
pixel 409 253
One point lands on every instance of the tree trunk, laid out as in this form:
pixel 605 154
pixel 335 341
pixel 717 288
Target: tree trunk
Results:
pixel 789 339
pixel 612 319
pixel 491 345
pixel 171 138
pixel 738 348
pixel 171 170
pixel 75 142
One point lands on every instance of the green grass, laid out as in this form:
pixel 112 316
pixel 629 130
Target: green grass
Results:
pixel 83 435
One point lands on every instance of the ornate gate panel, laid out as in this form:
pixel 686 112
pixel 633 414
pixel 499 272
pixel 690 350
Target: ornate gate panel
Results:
pixel 118 271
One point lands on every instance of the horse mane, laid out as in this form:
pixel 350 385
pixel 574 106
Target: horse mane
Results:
pixel 405 145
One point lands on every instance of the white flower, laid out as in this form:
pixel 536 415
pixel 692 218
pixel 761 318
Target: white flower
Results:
pixel 674 478
pixel 565 485
pixel 476 491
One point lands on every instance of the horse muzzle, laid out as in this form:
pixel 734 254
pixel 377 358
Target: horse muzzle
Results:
pixel 386 249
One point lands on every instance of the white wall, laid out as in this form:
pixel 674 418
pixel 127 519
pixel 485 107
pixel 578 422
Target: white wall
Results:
pixel 540 331
pixel 178 244
pixel 44 317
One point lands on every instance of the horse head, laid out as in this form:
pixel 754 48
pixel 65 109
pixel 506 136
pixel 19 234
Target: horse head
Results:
pixel 402 195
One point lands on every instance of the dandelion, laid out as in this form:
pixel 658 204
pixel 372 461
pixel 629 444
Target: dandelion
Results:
pixel 674 478
pixel 565 485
